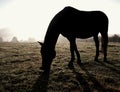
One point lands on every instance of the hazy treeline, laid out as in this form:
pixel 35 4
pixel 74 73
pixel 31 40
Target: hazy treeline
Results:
pixel 114 38
pixel 15 40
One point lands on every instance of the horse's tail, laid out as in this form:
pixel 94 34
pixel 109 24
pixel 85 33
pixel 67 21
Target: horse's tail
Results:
pixel 104 35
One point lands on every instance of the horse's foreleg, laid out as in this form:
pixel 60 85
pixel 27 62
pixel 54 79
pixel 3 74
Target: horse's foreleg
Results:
pixel 78 55
pixel 97 48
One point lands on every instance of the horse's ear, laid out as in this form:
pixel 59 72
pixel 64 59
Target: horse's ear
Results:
pixel 40 43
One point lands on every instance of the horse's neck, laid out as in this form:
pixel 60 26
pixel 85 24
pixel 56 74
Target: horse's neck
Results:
pixel 51 39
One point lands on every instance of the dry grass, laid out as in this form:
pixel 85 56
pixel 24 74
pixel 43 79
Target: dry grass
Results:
pixel 20 62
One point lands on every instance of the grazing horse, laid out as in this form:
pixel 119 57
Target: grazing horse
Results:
pixel 72 24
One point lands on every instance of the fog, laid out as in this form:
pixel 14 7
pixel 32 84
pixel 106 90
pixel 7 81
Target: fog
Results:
pixel 30 18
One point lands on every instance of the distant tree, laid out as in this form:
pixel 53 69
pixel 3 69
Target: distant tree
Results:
pixel 114 38
pixel 14 39
pixel 1 39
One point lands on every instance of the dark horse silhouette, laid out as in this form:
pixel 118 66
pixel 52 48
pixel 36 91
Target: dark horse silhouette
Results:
pixel 72 24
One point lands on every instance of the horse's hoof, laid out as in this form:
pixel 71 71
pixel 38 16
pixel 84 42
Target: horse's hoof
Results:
pixel 70 65
pixel 44 69
pixel 105 60
pixel 96 60
pixel 41 68
pixel 79 63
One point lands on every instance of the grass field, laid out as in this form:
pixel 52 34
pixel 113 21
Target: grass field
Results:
pixel 20 63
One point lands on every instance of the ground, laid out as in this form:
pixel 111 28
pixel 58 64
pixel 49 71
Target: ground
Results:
pixel 20 69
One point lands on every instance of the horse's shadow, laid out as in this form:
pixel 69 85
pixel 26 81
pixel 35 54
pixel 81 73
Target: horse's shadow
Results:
pixel 111 66
pixel 84 83
pixel 41 83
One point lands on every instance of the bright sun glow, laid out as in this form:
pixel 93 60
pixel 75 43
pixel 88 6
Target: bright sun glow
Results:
pixel 30 18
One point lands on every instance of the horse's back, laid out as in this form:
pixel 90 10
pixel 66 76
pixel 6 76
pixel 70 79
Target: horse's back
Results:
pixel 75 14
pixel 71 21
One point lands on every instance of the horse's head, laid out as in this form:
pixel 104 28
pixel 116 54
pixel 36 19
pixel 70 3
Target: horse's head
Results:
pixel 47 56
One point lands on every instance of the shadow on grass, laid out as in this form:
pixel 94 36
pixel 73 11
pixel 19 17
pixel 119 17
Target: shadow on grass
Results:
pixel 96 87
pixel 84 84
pixel 41 83
pixel 111 66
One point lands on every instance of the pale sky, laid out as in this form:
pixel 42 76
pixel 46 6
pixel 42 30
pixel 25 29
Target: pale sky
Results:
pixel 30 18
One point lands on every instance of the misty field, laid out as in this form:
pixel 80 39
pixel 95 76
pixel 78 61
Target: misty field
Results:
pixel 20 63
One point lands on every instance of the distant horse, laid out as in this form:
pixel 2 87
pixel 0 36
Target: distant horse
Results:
pixel 72 24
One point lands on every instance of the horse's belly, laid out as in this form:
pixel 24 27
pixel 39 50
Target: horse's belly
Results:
pixel 78 34
pixel 84 35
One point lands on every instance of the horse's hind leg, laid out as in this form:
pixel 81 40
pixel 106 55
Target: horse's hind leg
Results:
pixel 78 55
pixel 97 47
pixel 104 45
